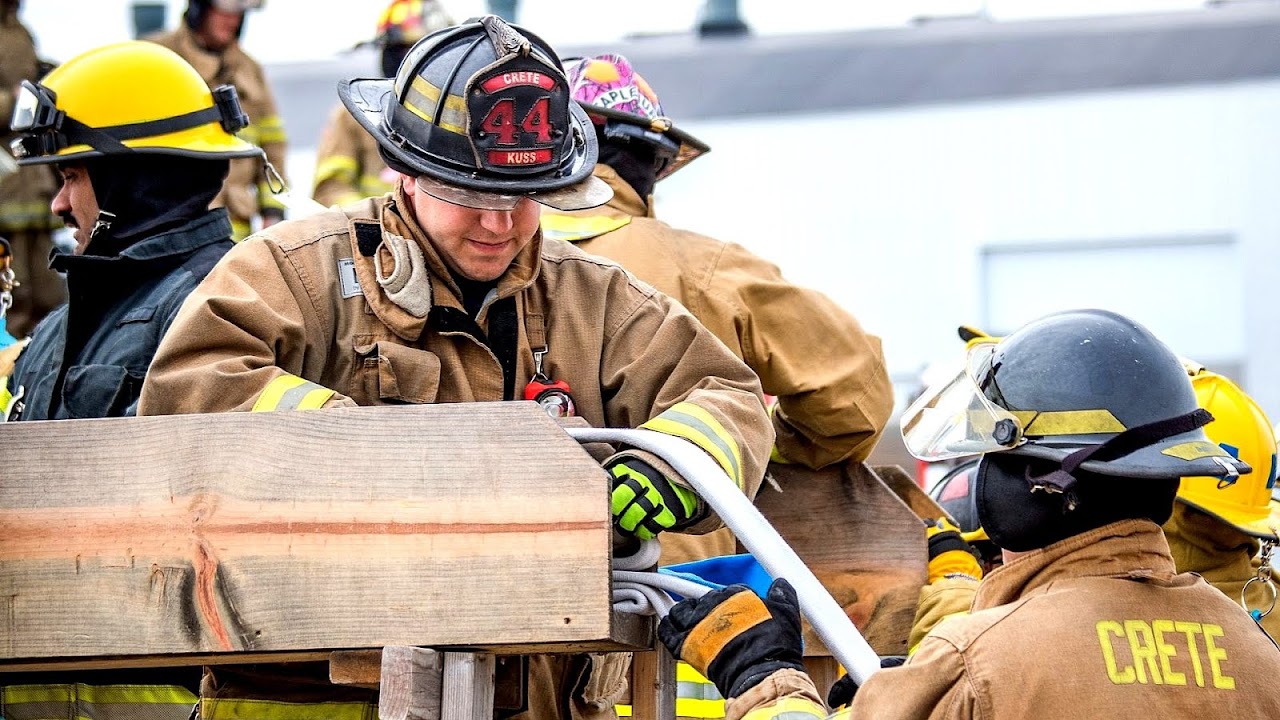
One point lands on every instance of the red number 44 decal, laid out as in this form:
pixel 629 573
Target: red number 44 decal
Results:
pixel 501 121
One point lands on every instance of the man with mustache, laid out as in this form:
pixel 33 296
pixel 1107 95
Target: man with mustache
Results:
pixel 136 189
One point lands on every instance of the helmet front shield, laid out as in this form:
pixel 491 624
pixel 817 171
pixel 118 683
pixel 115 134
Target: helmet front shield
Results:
pixel 955 418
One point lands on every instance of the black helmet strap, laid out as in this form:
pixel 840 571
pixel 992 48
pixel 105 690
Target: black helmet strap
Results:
pixel 1124 443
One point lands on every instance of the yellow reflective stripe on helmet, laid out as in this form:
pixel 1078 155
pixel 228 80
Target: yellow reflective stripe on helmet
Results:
pixel 1067 422
pixel 270 130
pixel 253 709
pixel 421 101
pixel 571 228
pixel 696 425
pixel 290 392
pixel 788 709
pixel 96 702
pixel 336 167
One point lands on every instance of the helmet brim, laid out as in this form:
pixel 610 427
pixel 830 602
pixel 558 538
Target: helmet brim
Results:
pixel 1184 455
pixel 1265 527
pixel 367 101
pixel 691 148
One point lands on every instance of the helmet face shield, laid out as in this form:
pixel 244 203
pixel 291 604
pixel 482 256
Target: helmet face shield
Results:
pixel 592 192
pixel 237 6
pixel 954 418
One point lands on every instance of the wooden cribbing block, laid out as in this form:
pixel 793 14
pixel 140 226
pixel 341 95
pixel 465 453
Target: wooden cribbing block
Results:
pixel 863 543
pixel 244 537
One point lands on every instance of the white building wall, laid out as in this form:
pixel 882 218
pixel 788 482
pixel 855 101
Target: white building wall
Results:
pixel 889 212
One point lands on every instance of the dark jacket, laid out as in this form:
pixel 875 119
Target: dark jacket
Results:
pixel 87 359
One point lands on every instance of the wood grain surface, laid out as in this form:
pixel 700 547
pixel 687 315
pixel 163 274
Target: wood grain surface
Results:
pixel 167 539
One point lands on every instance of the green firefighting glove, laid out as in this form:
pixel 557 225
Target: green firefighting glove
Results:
pixel 645 503
pixel 949 555
pixel 734 638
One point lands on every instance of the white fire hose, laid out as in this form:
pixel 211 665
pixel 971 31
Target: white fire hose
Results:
pixel 741 516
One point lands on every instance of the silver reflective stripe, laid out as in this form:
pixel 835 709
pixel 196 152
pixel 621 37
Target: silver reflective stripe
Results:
pixel 711 436
pixel 292 397
pixel 688 690
pixel 793 715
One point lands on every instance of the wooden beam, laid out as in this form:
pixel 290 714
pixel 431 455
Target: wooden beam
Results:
pixel 468 686
pixel 862 542
pixel 411 684
pixel 259 536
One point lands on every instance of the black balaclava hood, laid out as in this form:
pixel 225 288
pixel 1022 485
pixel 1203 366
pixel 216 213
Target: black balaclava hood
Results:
pixel 149 194
pixel 635 162
pixel 1018 519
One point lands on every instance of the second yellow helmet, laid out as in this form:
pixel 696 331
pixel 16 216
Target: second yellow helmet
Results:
pixel 123 98
pixel 1241 428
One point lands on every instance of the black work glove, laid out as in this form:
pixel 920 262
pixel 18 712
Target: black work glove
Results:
pixel 734 638
pixel 845 688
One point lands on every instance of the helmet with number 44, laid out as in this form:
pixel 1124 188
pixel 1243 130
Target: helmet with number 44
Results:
pixel 480 115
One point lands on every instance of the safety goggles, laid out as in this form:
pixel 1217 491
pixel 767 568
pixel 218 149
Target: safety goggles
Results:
pixel 955 418
pixel 45 130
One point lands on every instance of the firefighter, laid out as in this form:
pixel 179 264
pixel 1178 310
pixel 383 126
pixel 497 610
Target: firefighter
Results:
pixel 828 375
pixel 142 147
pixel 25 192
pixel 1217 527
pixel 1084 422
pixel 209 39
pixel 444 291
pixel 348 165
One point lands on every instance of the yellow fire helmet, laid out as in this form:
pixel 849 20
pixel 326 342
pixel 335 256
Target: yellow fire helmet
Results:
pixel 1241 428
pixel 124 98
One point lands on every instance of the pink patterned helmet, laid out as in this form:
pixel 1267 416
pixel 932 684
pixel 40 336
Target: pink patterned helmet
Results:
pixel 623 105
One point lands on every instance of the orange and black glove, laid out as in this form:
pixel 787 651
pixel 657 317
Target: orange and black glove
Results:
pixel 949 555
pixel 644 503
pixel 734 638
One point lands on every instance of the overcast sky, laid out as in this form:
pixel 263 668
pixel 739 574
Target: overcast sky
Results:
pixel 295 30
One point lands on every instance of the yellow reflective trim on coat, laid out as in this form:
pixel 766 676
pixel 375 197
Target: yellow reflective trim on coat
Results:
pixel 254 709
pixel 374 185
pixel 290 392
pixel 270 130
pixel 26 215
pixel 572 228
pixel 422 98
pixel 101 694
pixel 696 425
pixel 696 696
pixel 268 199
pixel 789 709
pixel 96 702
pixel 622 710
pixel 240 230
pixel 336 167
pixel 1067 422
